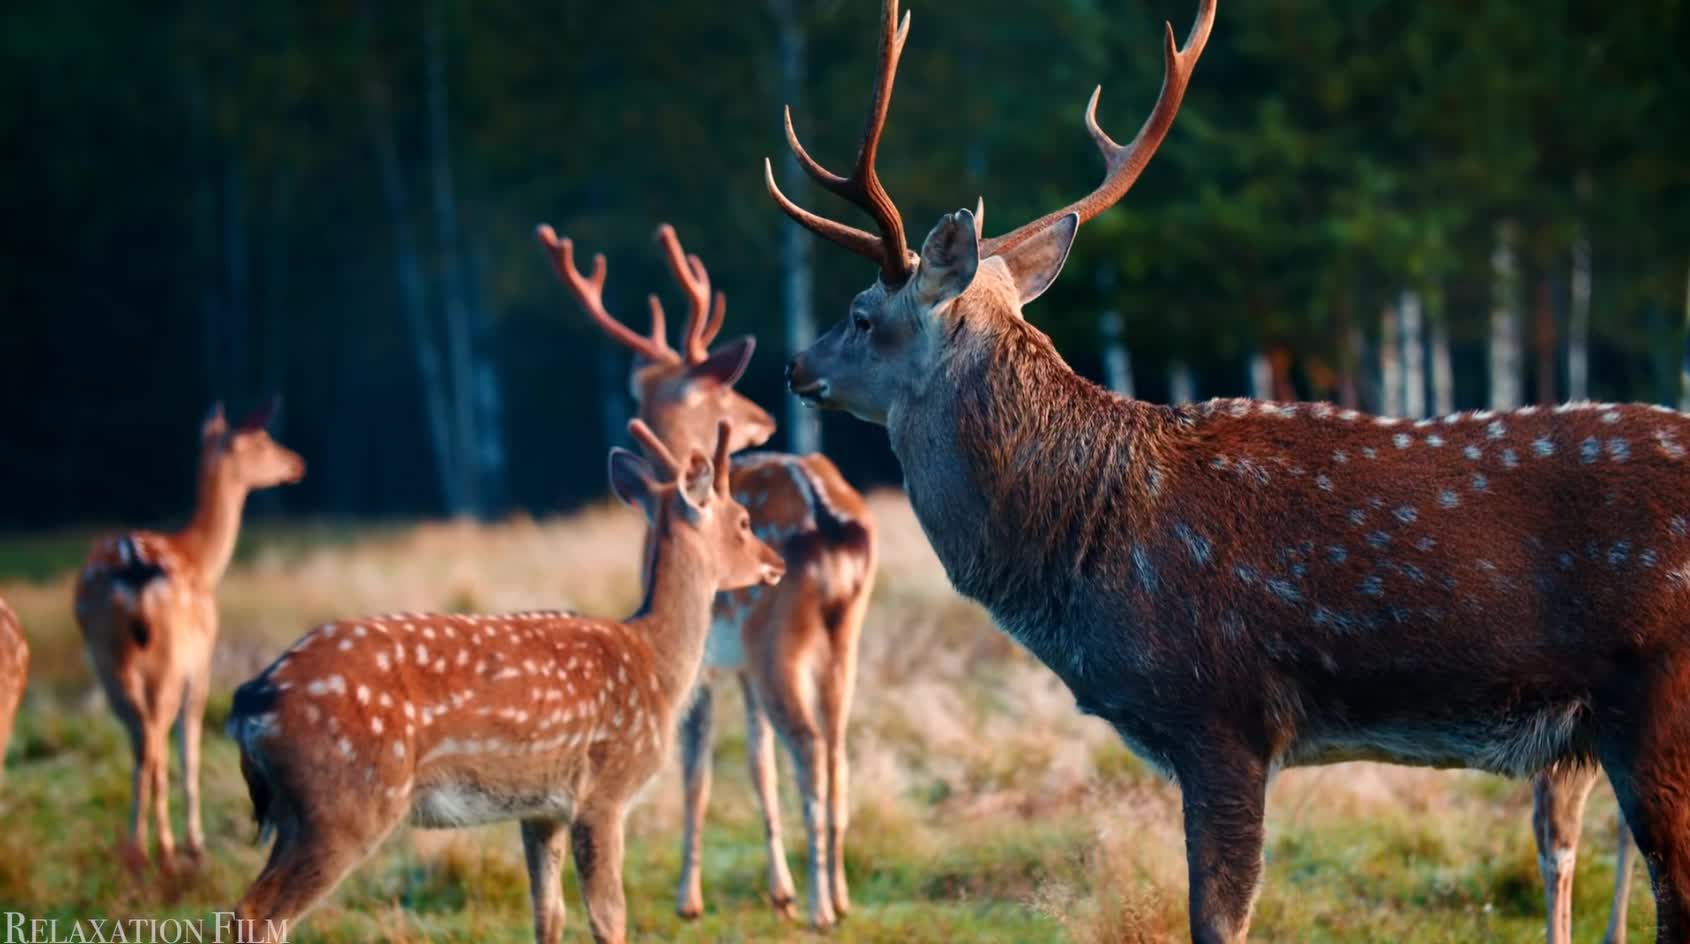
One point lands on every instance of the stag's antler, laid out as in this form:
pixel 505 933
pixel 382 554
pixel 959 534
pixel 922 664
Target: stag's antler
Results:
pixel 1125 162
pixel 863 186
pixel 589 291
pixel 704 322
pixel 671 466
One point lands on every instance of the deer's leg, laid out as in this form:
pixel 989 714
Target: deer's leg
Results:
pixel 1622 887
pixel 1645 751
pixel 596 840
pixel 695 766
pixel 760 758
pixel 1558 796
pixel 809 757
pixel 837 690
pixel 158 773
pixel 188 730
pixel 543 844
pixel 305 864
pixel 1224 794
pixel 140 787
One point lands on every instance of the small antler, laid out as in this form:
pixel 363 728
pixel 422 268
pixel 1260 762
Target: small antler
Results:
pixel 589 291
pixel 724 432
pixel 671 468
pixel 863 187
pixel 1125 163
pixel 704 322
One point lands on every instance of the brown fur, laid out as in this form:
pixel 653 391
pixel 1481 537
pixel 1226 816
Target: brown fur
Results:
pixel 14 675
pixel 146 604
pixel 553 719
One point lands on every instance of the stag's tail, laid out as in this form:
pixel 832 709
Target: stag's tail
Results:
pixel 254 701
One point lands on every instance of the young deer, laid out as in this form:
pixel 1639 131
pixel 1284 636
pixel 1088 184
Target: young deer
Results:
pixel 794 646
pixel 552 719
pixel 1241 586
pixel 147 606
pixel 14 675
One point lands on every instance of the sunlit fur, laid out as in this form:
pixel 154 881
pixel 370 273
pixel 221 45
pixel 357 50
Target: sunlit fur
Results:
pixel 14 675
pixel 146 603
pixel 1238 586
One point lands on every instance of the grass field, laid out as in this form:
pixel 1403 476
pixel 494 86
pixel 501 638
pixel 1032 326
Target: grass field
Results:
pixel 985 808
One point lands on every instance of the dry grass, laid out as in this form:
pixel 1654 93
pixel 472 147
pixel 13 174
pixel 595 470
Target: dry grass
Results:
pixel 985 807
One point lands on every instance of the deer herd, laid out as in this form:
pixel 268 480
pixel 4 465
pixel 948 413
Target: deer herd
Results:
pixel 1236 587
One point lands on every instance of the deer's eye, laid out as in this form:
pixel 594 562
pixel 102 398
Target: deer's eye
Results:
pixel 861 322
pixel 745 523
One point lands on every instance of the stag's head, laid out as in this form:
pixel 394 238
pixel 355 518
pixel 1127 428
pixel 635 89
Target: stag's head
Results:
pixel 683 395
pixel 243 455
pixel 962 287
pixel 693 503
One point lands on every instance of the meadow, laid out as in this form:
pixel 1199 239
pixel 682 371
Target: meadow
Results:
pixel 985 807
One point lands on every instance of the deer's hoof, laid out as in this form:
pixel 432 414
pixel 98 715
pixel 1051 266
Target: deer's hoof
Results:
pixel 690 911
pixel 784 906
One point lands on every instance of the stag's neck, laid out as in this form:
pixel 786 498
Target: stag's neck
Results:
pixel 209 538
pixel 674 617
pixel 1029 480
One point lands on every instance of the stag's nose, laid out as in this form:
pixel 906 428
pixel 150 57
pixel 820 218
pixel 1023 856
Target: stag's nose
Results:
pixel 791 368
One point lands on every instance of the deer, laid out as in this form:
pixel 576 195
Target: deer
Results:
pixel 146 603
pixel 552 719
pixel 1241 586
pixel 14 675
pixel 792 646
pixel 1558 799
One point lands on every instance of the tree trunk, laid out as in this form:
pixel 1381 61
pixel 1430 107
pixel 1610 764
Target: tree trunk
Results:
pixel 1412 335
pixel 1350 357
pixel 1261 376
pixel 1443 368
pixel 454 291
pixel 1684 362
pixel 613 387
pixel 1182 385
pixel 1578 322
pixel 803 429
pixel 236 268
pixel 1544 339
pixel 489 390
pixel 1117 369
pixel 1390 364
pixel 413 298
pixel 1505 385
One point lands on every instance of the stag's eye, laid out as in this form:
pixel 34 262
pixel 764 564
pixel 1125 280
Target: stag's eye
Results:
pixel 861 322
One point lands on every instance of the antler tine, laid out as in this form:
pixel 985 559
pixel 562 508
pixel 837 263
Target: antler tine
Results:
pixel 724 430
pixel 1124 163
pixel 863 187
pixel 718 311
pixel 639 430
pixel 694 279
pixel 589 291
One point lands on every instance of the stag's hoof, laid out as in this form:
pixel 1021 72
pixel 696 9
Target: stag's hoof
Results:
pixel 690 912
pixel 133 857
pixel 784 906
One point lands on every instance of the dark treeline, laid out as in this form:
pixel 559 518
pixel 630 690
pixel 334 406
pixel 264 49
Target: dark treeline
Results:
pixel 1408 206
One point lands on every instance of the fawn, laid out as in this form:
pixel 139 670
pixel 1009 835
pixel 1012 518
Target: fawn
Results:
pixel 146 603
pixel 1242 586
pixel 793 646
pixel 552 719
pixel 14 675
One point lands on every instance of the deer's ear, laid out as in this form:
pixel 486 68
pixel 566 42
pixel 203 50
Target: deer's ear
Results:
pixel 726 364
pixel 949 258
pixel 630 479
pixel 215 425
pixel 1036 263
pixel 698 482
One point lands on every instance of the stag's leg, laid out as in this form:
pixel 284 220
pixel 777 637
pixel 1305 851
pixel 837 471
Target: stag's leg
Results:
pixel 1622 887
pixel 596 839
pixel 306 863
pixel 760 758
pixel 1224 793
pixel 1558 796
pixel 188 730
pixel 1645 751
pixel 543 843
pixel 695 767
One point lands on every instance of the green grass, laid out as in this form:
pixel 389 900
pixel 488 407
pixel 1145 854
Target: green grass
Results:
pixel 985 808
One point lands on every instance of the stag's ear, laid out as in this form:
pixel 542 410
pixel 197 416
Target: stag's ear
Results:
pixel 726 364
pixel 215 425
pixel 1037 262
pixel 631 480
pixel 949 258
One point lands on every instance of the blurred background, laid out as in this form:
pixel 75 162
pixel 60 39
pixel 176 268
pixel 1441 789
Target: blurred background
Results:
pixel 1411 207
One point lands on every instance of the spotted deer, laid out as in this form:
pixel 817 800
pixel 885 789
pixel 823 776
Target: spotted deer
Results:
pixel 794 646
pixel 147 606
pixel 552 719
pixel 14 675
pixel 1241 586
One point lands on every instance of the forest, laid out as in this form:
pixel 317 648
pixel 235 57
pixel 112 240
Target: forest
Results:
pixel 1410 207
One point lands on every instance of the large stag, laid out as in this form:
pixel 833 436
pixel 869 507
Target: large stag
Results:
pixel 1241 586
